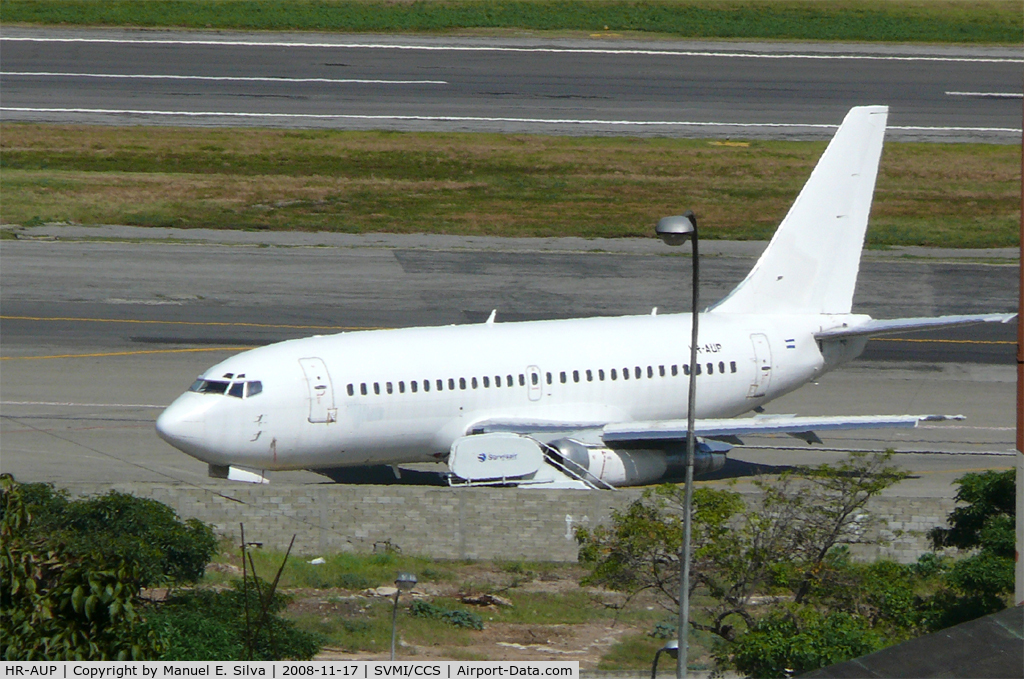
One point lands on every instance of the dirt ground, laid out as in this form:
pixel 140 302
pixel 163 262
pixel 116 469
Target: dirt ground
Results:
pixel 586 642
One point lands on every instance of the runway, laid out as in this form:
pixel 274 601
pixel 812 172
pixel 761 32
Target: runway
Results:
pixel 551 86
pixel 104 326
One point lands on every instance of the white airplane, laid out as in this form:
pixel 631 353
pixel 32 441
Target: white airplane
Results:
pixel 582 403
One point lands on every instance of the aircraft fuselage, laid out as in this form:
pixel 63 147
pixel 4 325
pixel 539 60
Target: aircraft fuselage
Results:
pixel 392 396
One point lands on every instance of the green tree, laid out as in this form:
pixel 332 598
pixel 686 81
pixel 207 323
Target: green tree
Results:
pixel 983 527
pixel 784 547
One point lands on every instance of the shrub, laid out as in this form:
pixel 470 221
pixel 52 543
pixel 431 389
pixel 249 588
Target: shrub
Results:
pixel 120 526
pixel 455 618
pixel 209 625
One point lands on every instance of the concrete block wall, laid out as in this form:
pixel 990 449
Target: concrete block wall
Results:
pixel 463 523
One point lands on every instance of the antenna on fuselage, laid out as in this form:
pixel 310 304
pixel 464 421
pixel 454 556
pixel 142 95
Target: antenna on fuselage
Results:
pixel 490 319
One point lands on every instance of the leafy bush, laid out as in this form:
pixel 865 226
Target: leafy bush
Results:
pixel 122 526
pixel 455 618
pixel 802 639
pixel 209 625
pixel 58 603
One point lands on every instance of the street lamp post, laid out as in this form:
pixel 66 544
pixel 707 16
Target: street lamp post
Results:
pixel 403 583
pixel 672 648
pixel 676 231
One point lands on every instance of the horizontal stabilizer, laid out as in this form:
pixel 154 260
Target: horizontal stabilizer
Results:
pixel 895 325
pixel 675 430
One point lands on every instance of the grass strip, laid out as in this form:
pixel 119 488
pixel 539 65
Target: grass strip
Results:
pixel 948 195
pixel 942 21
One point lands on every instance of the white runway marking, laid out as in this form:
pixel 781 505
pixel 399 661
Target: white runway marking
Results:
pixel 988 95
pixel 261 79
pixel 79 405
pixel 545 50
pixel 482 119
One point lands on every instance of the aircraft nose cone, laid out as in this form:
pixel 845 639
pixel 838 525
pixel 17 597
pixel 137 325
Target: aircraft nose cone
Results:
pixel 182 424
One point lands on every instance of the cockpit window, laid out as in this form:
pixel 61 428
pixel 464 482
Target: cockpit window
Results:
pixel 212 387
pixel 237 389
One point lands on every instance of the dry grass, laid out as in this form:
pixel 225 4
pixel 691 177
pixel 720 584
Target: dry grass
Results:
pixel 512 185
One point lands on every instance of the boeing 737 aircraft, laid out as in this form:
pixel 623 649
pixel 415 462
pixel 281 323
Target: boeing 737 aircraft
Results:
pixel 584 403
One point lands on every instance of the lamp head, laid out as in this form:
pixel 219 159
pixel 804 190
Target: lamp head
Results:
pixel 671 647
pixel 405 581
pixel 678 229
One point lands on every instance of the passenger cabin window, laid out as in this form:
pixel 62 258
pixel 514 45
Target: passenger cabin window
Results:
pixel 561 377
pixel 401 387
pixel 473 382
pixel 522 380
pixel 686 368
pixel 534 379
pixel 590 375
pixel 615 375
pixel 675 370
pixel 732 366
pixel 426 385
pixel 600 374
pixel 661 370
pixel 508 381
pixel 575 375
pixel 625 373
pixel 376 388
pixel 721 366
pixel 549 378
pixel 497 380
pixel 413 386
pixel 351 390
pixel 711 368
pixel 362 388
pixel 650 371
pixel 487 381
pixel 440 385
pixel 389 388
pixel 639 373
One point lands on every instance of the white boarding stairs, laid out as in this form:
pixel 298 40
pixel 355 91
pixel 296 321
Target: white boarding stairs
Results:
pixel 506 459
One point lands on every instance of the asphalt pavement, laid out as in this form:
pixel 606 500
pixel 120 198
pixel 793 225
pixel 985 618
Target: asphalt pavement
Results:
pixel 102 327
pixel 602 85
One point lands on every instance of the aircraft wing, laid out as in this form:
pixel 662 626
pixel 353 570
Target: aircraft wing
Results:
pixel 894 325
pixel 675 430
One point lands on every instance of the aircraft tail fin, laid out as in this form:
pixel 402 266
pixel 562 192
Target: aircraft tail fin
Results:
pixel 811 264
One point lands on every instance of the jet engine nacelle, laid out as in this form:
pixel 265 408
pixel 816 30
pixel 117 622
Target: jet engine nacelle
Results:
pixel 636 466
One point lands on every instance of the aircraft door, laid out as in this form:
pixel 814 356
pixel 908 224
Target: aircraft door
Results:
pixel 321 391
pixel 534 385
pixel 762 366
